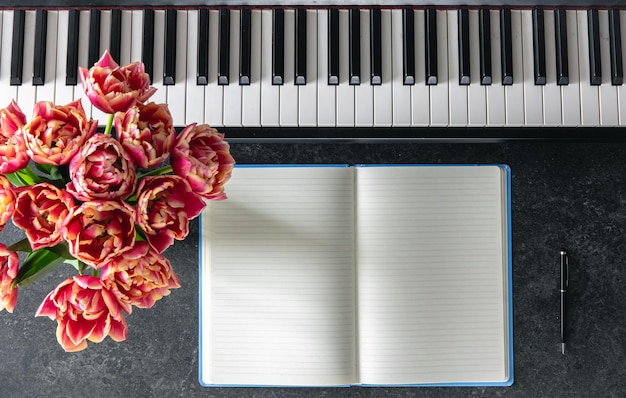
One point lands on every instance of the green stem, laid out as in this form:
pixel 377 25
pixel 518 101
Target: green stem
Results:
pixel 158 172
pixel 107 129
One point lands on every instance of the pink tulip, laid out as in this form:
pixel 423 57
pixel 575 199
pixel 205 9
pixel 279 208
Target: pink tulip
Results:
pixel 140 276
pixel 40 211
pixel 13 156
pixel 9 263
pixel 203 158
pixel 102 170
pixel 112 88
pixel 147 133
pixel 56 133
pixel 84 310
pixel 7 201
pixel 165 204
pixel 97 231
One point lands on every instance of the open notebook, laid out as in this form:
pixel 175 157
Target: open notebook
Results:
pixel 368 275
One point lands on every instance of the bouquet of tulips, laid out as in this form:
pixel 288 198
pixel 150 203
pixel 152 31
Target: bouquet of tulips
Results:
pixel 108 203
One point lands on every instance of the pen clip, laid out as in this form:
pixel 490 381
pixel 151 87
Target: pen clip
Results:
pixel 564 270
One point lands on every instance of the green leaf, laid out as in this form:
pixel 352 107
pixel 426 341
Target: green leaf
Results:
pixel 21 246
pixel 61 250
pixel 52 171
pixel 37 264
pixel 16 179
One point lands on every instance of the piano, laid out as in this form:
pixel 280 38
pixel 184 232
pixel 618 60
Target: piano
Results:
pixel 332 71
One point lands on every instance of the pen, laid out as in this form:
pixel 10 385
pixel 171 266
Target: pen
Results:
pixel 563 292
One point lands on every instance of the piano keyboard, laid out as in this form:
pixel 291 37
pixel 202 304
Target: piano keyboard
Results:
pixel 263 68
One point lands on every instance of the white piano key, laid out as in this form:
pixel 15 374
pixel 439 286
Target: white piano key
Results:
pixel 8 92
pixel 439 96
pixel 345 92
pixel 533 95
pixel 570 94
pixel 232 91
pixel 307 109
pixel 213 93
pixel 621 90
pixel 420 92
pixel 105 32
pixel 27 93
pixel 46 92
pixel 252 93
pixel 457 100
pixel 326 100
pixel 126 43
pixel 63 94
pixel 607 92
pixel 514 94
pixel 160 97
pixel 289 91
pixel 194 95
pixel 401 93
pixel 476 93
pixel 270 94
pixel 364 92
pixel 383 94
pixel 83 55
pixel 496 104
pixel 176 93
pixel 136 35
pixel 105 35
pixel 551 91
pixel 589 100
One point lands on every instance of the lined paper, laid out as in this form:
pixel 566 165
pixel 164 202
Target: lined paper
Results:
pixel 278 267
pixel 431 275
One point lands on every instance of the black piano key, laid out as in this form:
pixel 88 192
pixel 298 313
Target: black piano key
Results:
pixel 354 50
pixel 17 51
pixel 223 68
pixel 408 46
pixel 71 69
pixel 484 35
pixel 615 43
pixel 506 43
pixel 278 46
pixel 245 46
pixel 430 31
pixel 300 47
pixel 39 59
pixel 116 34
pixel 333 46
pixel 169 55
pixel 539 47
pixel 202 75
pixel 376 57
pixel 593 26
pixel 464 45
pixel 560 32
pixel 93 54
pixel 147 45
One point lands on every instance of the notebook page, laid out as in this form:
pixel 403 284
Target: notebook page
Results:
pixel 278 295
pixel 431 275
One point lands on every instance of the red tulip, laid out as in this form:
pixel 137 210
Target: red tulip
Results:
pixel 9 263
pixel 112 88
pixel 40 211
pixel 140 276
pixel 84 310
pixel 147 133
pixel 165 204
pixel 7 201
pixel 97 231
pixel 13 156
pixel 202 157
pixel 56 133
pixel 102 170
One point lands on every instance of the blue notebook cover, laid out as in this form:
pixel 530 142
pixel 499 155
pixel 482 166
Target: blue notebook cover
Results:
pixel 225 245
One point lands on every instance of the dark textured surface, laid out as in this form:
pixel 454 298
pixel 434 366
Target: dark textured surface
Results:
pixel 565 195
